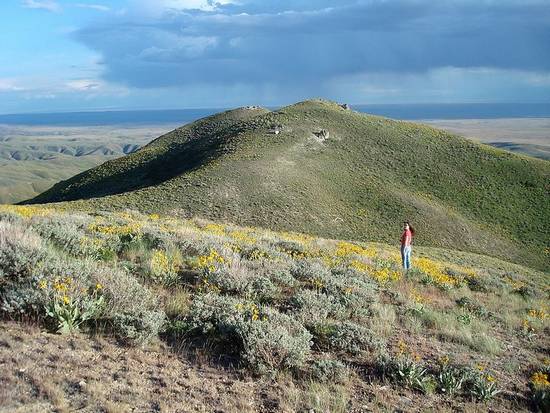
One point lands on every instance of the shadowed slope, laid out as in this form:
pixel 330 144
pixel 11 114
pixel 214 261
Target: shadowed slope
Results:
pixel 170 155
pixel 335 173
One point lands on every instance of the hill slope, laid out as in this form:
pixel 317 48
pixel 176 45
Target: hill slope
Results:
pixel 360 182
pixel 169 314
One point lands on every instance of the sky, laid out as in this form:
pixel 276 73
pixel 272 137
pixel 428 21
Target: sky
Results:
pixel 60 55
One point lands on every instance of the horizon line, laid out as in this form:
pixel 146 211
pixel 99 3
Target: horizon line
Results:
pixel 221 108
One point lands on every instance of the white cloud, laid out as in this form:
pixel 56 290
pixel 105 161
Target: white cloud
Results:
pixel 9 85
pixel 83 85
pixel 174 48
pixel 157 8
pixel 206 5
pixel 538 79
pixel 98 7
pixel 41 86
pixel 48 5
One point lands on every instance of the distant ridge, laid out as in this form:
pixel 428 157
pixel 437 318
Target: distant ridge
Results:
pixel 113 117
pixel 318 168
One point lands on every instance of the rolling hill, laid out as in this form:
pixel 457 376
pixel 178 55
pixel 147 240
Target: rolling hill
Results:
pixel 317 168
pixel 33 158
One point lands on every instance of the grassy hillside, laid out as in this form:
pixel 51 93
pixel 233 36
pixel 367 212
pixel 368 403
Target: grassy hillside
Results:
pixel 203 316
pixel 360 182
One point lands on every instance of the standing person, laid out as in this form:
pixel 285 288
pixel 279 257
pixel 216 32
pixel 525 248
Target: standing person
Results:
pixel 406 240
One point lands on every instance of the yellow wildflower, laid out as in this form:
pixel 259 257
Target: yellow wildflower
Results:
pixel 402 347
pixel 540 379
pixel 317 283
pixel 27 211
pixel 210 262
pixel 60 287
pixel 216 229
pixel 346 249
pixel 417 297
pixel 538 314
pixel 434 271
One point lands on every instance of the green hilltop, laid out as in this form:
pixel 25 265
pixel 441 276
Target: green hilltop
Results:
pixel 318 168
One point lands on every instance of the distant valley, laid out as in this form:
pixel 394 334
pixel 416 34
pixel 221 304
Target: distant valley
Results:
pixel 33 158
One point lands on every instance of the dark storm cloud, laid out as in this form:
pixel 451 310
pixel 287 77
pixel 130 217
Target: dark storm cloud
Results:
pixel 300 42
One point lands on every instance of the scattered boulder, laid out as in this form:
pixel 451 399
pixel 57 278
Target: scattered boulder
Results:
pixel 276 129
pixel 345 106
pixel 322 134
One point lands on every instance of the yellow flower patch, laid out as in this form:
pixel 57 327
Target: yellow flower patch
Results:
pixel 132 228
pixel 540 379
pixel 26 211
pixel 243 236
pixel 210 262
pixel 538 314
pixel 434 270
pixel 417 297
pixel 346 249
pixel 216 229
pixel 382 275
pixel 250 310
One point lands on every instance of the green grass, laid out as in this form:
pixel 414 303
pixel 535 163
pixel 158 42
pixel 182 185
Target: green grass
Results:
pixel 361 183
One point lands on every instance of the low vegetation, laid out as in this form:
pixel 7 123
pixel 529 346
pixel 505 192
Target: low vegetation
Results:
pixel 323 324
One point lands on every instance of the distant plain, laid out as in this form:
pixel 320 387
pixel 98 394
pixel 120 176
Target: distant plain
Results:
pixel 529 136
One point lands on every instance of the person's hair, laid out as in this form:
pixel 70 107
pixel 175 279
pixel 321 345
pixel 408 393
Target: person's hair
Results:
pixel 410 227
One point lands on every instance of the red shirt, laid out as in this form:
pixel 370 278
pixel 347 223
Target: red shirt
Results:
pixel 406 238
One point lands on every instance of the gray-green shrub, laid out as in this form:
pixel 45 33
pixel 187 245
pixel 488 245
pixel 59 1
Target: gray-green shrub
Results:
pixel 265 339
pixel 311 307
pixel 327 370
pixel 344 336
pixel 21 254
